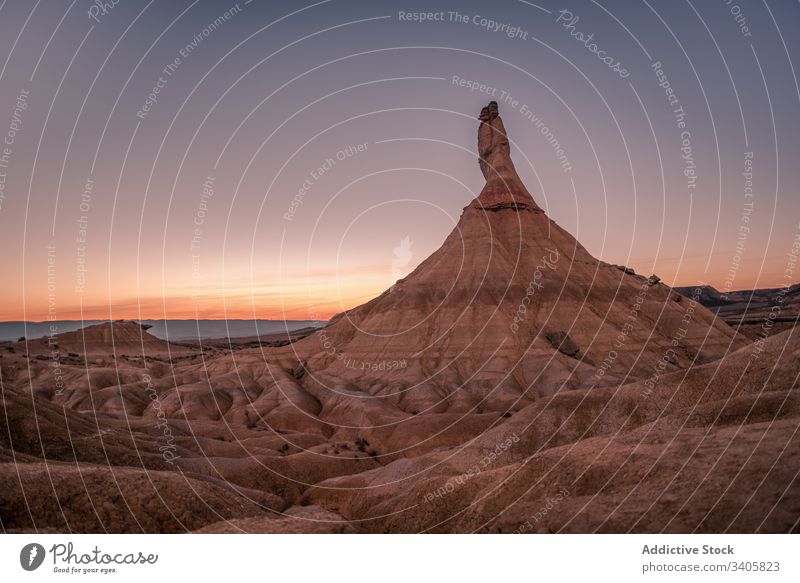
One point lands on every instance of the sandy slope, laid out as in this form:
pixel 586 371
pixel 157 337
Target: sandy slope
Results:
pixel 712 450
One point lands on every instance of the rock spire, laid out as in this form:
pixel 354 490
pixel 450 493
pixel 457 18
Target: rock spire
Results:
pixel 503 189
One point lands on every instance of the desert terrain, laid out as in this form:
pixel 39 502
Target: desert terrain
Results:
pixel 512 383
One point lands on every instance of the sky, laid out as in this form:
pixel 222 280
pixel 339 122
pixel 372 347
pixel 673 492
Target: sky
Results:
pixel 267 159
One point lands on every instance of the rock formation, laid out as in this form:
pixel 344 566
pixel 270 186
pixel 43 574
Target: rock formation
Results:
pixel 471 322
pixel 564 380
pixel 503 189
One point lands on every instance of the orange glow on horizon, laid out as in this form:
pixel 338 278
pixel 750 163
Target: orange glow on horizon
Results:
pixel 242 305
pixel 232 304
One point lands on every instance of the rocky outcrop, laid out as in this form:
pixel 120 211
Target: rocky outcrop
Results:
pixel 503 189
pixel 470 323
pixel 563 343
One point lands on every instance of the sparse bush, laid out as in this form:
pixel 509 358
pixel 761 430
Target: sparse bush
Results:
pixel 157 370
pixel 8 371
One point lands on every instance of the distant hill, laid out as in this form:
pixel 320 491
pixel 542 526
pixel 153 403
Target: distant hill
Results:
pixel 752 312
pixel 166 329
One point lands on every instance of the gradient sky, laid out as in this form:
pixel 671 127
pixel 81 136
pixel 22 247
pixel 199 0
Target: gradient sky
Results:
pixel 262 101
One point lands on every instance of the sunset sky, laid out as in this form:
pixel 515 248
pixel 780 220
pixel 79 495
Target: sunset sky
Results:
pixel 187 202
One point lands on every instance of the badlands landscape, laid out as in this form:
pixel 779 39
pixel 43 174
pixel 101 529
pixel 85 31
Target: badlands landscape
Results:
pixel 512 383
